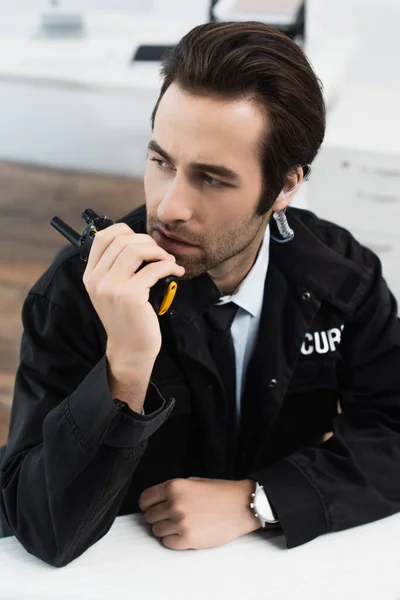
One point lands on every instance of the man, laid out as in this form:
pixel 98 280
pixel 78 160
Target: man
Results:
pixel 118 410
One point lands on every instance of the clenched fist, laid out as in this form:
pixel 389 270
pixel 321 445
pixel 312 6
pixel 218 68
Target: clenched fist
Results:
pixel 199 513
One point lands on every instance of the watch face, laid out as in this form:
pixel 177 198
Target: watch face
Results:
pixel 263 507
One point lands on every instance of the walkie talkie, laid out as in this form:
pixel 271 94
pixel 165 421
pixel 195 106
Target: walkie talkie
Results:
pixel 163 293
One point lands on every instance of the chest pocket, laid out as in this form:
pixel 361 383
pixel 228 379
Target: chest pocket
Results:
pixel 313 375
pixel 307 411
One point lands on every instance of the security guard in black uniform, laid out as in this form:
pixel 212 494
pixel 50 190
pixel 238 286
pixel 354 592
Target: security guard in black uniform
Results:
pixel 119 409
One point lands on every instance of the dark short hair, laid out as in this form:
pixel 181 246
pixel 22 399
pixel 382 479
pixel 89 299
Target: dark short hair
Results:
pixel 251 60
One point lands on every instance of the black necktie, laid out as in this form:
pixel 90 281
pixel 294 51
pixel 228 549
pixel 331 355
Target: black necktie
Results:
pixel 220 318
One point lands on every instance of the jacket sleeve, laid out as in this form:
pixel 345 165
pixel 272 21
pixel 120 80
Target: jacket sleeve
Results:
pixel 353 478
pixel 72 449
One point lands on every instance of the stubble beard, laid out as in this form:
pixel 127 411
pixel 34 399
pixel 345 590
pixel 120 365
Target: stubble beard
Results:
pixel 217 251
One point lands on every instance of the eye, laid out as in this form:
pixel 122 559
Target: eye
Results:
pixel 212 181
pixel 162 164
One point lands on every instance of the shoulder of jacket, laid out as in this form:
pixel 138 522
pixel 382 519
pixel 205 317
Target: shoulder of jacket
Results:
pixel 337 238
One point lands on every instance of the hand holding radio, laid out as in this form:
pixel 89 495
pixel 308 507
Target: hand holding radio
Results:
pixel 119 288
pixel 122 268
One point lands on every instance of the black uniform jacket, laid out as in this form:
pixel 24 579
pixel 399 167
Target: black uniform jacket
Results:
pixel 76 458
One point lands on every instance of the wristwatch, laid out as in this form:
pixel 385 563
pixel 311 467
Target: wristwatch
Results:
pixel 262 508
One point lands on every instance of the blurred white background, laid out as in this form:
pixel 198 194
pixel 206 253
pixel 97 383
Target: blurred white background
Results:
pixel 75 98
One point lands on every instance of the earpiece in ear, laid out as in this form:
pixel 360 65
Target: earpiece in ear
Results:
pixel 307 169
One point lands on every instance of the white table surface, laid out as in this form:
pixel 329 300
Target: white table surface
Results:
pixel 128 562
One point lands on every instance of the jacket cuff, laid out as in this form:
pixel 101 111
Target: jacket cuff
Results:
pixel 101 420
pixel 296 502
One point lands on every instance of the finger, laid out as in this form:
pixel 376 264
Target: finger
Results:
pixel 119 243
pixel 175 542
pixel 158 512
pixel 107 259
pixel 153 495
pixel 165 528
pixel 129 260
pixel 150 274
pixel 103 239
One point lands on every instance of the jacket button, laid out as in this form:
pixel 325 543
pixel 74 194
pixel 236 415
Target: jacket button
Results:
pixel 172 313
pixel 306 296
pixel 273 383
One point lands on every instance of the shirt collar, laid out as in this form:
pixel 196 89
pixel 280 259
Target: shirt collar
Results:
pixel 249 295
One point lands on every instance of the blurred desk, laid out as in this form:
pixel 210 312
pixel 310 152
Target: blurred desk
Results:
pixel 130 563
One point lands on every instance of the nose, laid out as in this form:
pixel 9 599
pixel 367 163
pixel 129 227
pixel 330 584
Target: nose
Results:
pixel 176 204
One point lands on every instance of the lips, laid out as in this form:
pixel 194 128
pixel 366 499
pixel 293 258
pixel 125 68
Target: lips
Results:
pixel 174 238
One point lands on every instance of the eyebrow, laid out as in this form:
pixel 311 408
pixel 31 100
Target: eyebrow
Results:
pixel 219 170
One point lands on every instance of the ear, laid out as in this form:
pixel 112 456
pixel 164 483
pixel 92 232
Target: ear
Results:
pixel 289 190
